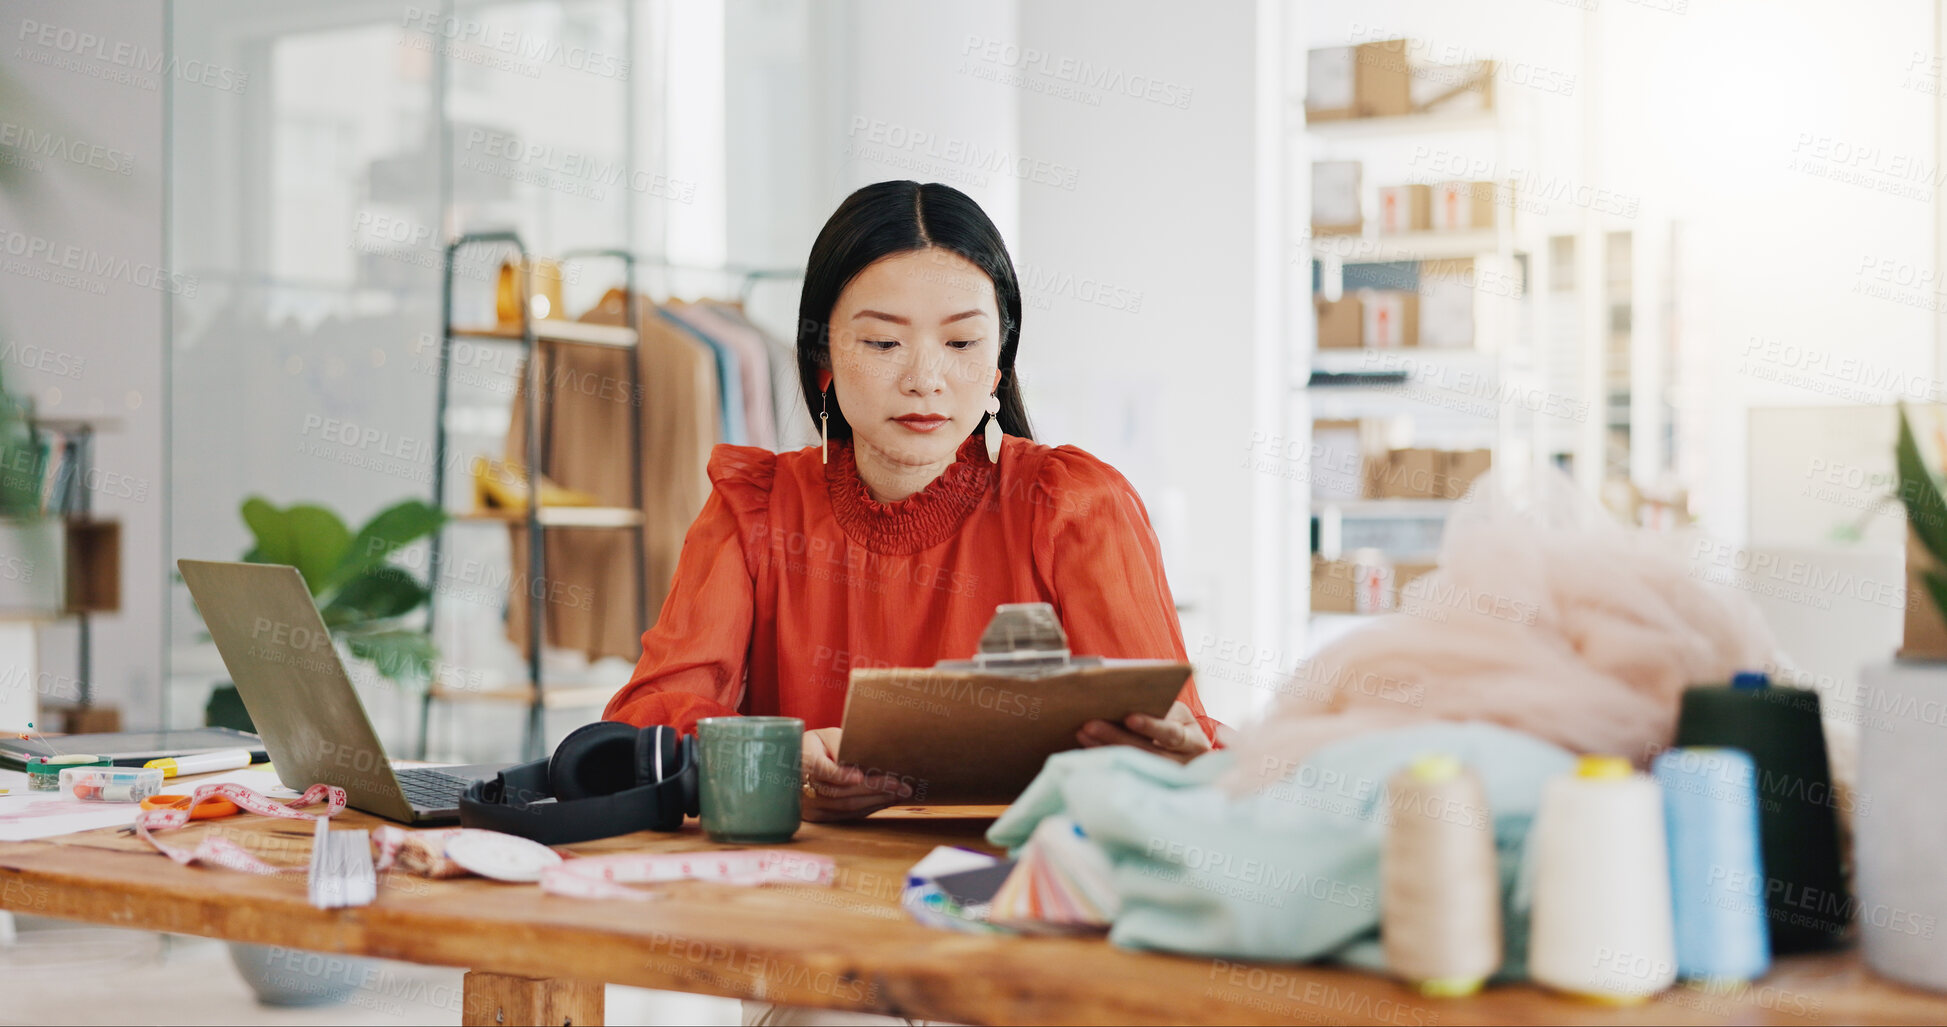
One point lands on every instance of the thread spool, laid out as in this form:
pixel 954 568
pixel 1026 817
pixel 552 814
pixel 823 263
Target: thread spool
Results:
pixel 1601 927
pixel 1798 829
pixel 1440 899
pixel 1710 805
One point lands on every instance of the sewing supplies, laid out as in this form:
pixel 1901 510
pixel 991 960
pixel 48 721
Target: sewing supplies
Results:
pixel 502 857
pixel 608 877
pixel 421 853
pixel 1060 883
pixel 934 905
pixel 341 872
pixel 1710 802
pixel 44 772
pixel 213 809
pixel 214 850
pixel 202 763
pixel 1602 922
pixel 110 784
pixel 1440 906
pixel 1797 824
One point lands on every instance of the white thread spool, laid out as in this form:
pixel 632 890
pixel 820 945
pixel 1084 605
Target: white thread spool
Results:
pixel 1602 915
pixel 1440 906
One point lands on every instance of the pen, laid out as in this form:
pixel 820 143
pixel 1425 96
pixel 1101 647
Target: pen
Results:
pixel 202 763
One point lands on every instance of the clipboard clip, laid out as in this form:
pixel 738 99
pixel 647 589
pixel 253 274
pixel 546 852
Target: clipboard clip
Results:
pixel 1023 638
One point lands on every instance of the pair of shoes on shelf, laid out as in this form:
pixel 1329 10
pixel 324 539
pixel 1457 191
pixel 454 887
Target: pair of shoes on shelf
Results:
pixel 502 485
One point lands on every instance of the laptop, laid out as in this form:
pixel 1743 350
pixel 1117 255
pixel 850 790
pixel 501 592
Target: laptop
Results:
pixel 274 642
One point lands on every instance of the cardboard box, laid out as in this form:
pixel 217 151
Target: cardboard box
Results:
pixel 1459 206
pixel 1339 322
pixel 1404 208
pixel 1332 585
pixel 1452 89
pixel 1405 573
pixel 1404 474
pixel 1424 473
pixel 1337 459
pixel 1389 318
pixel 1447 292
pixel 1335 198
pixel 1370 80
pixel 1463 467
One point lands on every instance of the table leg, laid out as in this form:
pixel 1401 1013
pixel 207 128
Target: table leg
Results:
pixel 500 1000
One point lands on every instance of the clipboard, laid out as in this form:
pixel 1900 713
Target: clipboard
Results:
pixel 976 732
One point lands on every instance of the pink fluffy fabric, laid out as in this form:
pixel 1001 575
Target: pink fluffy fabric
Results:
pixel 1549 619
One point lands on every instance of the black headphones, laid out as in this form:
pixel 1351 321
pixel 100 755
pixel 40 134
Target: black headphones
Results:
pixel 606 778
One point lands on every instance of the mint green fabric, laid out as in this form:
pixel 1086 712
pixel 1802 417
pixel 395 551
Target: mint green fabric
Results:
pixel 1288 873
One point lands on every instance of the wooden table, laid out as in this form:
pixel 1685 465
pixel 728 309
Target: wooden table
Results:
pixel 537 958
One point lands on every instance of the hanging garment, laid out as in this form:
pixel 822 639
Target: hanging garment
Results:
pixel 794 574
pixel 797 427
pixel 753 365
pixel 730 387
pixel 590 591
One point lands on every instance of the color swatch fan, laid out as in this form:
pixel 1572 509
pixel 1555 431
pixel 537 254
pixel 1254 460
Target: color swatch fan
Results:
pixel 1061 883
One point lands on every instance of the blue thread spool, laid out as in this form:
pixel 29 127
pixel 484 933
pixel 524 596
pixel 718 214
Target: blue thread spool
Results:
pixel 1710 806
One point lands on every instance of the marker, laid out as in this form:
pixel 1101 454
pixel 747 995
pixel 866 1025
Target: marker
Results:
pixel 202 763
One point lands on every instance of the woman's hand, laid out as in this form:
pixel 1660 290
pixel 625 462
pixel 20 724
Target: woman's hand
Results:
pixel 1177 735
pixel 836 792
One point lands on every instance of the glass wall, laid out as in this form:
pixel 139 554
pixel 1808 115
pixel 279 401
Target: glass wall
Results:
pixel 315 208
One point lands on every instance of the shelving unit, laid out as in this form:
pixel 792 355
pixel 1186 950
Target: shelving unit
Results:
pixel 536 337
pixel 1455 398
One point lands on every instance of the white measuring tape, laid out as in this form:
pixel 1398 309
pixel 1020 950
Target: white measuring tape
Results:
pixel 608 877
pixel 222 852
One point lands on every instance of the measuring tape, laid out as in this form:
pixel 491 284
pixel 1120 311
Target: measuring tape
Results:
pixel 608 877
pixel 222 852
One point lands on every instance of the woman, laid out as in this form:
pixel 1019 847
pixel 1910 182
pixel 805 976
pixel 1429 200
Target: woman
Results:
pixel 891 544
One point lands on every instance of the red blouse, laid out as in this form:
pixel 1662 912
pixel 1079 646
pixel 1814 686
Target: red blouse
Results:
pixel 793 574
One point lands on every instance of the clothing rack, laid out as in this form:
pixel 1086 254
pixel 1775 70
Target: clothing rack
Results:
pixel 751 275
pixel 531 333
pixel 538 339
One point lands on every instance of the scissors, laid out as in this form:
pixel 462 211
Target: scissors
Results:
pixel 210 809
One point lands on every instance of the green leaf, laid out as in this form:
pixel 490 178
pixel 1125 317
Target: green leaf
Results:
pixel 392 528
pixel 379 593
pixel 399 655
pixel 306 536
pixel 1926 512
pixel 271 529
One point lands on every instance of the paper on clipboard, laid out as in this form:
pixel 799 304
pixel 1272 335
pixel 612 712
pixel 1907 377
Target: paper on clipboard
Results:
pixel 959 734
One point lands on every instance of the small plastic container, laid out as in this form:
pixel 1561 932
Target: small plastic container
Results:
pixel 111 784
pixel 44 772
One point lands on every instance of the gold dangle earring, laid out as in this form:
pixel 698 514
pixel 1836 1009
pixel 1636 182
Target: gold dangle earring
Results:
pixel 824 434
pixel 993 429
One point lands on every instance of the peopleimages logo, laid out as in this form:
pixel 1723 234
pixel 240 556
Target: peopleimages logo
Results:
pixel 104 58
pixel 62 148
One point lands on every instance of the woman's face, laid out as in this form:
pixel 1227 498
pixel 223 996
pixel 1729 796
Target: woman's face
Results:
pixel 915 343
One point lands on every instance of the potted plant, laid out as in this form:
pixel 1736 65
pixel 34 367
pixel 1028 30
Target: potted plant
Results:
pixel 31 578
pixel 365 597
pixel 1898 832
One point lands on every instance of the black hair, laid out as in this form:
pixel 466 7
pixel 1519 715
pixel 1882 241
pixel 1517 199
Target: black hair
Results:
pixel 899 217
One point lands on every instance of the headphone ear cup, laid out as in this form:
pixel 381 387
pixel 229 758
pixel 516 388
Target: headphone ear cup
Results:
pixel 692 777
pixel 595 759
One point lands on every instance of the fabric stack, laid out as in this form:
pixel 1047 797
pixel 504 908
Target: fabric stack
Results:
pixel 708 375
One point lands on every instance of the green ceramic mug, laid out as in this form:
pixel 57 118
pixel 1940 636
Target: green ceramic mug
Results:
pixel 752 783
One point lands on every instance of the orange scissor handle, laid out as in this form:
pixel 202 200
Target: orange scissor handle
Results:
pixel 210 809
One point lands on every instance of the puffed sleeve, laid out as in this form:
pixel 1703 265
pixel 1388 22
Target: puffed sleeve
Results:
pixel 1095 546
pixel 694 658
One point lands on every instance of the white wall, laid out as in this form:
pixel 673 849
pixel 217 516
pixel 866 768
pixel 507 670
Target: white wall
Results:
pixel 81 313
pixel 1139 281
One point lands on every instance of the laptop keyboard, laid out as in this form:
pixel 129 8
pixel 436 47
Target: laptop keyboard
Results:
pixel 432 789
